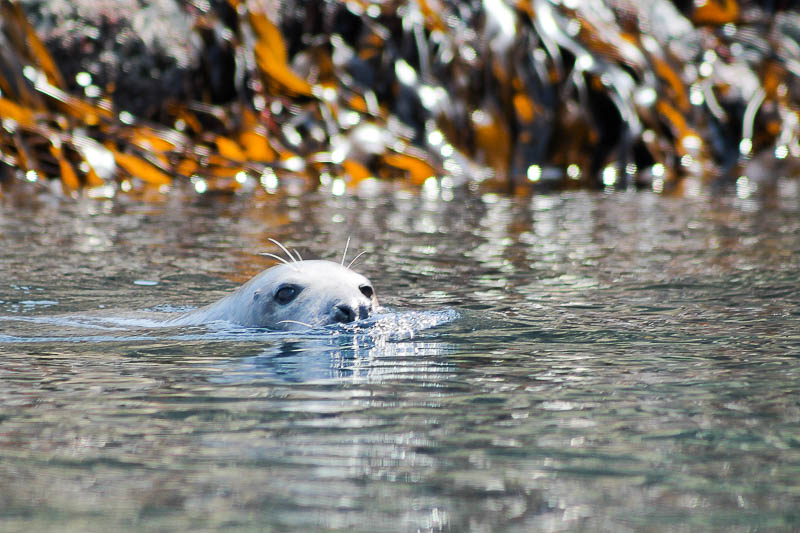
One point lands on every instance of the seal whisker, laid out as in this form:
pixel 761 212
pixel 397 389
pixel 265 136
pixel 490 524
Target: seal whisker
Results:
pixel 282 247
pixel 356 258
pixel 309 326
pixel 297 254
pixel 277 257
pixel 346 246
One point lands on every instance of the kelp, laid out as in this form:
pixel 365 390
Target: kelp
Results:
pixel 513 95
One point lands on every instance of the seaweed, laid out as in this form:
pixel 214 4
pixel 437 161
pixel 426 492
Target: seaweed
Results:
pixel 515 96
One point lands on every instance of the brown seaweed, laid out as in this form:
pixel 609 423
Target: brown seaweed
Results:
pixel 507 95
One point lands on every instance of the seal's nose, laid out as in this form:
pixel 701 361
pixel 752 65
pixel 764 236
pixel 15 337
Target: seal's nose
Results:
pixel 345 313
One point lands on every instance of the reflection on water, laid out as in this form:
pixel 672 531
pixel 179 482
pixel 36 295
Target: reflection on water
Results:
pixel 558 363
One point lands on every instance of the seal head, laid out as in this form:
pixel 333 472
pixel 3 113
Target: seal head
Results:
pixel 294 296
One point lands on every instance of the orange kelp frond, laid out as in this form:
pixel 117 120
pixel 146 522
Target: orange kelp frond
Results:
pixel 517 96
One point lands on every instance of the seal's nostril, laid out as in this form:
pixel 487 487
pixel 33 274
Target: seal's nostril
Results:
pixel 344 313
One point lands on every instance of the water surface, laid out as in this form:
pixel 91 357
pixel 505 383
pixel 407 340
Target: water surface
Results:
pixel 577 362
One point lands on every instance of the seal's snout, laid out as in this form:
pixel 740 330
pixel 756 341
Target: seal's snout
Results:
pixel 345 313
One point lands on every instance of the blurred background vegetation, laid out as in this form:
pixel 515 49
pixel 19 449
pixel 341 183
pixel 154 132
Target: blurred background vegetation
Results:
pixel 514 95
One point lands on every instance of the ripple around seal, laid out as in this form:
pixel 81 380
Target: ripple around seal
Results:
pixel 387 326
pixel 398 325
pixel 388 346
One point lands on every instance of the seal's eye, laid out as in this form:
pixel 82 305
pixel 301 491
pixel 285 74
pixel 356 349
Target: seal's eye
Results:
pixel 286 294
pixel 367 291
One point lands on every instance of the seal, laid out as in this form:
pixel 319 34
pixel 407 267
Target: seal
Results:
pixel 293 295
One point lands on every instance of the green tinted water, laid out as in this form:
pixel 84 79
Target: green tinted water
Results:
pixel 563 363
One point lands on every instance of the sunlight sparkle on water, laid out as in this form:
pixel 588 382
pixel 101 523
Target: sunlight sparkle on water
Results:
pixel 692 142
pixel 295 163
pixel 745 146
pixel 126 117
pixel 743 187
pixel 200 185
pixel 84 79
pixel 338 187
pixel 696 96
pixel 435 138
pixel 430 189
pixel 405 72
pixel 534 173
pixel 609 176
pixel 348 119
pixel 269 180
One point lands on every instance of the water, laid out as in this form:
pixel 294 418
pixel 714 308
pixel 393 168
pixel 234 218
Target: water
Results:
pixel 578 362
